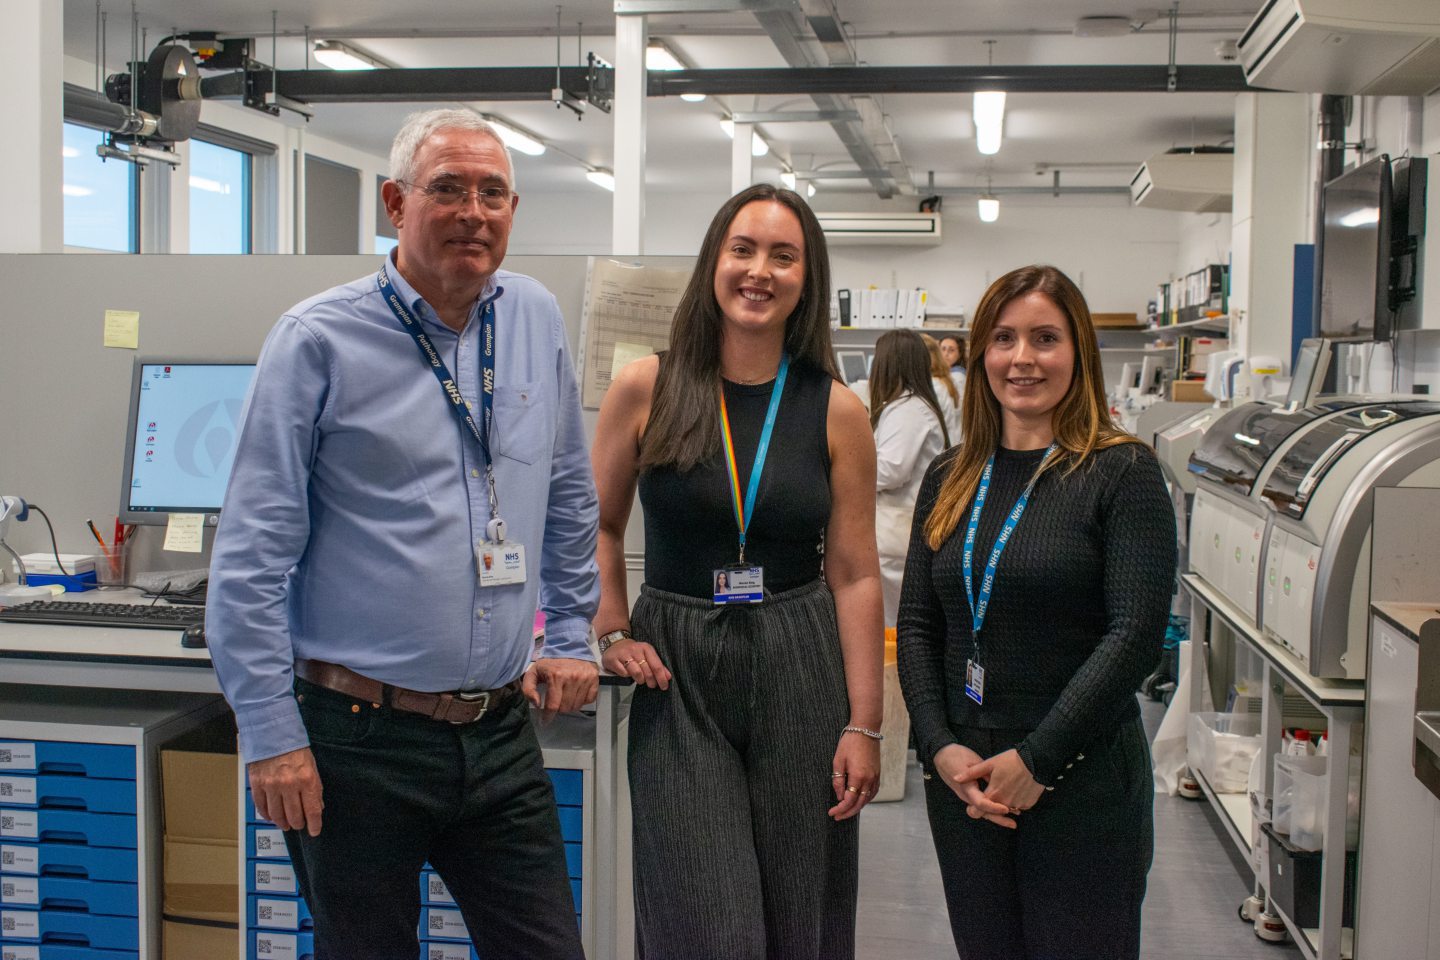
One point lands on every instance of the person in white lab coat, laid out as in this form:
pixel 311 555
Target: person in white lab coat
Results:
pixel 947 391
pixel 910 432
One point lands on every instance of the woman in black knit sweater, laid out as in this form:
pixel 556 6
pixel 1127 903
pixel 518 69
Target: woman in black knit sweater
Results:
pixel 1021 687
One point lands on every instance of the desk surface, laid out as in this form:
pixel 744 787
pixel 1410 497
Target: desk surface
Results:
pixel 1406 617
pixel 1319 691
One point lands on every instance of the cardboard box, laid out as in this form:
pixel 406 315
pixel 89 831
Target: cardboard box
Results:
pixel 1116 319
pixel 1189 391
pixel 199 941
pixel 202 835
pixel 1200 350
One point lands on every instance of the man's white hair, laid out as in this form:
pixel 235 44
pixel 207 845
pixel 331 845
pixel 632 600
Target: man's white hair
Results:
pixel 418 128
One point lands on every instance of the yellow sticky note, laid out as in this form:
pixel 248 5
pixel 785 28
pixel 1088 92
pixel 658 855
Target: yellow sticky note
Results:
pixel 624 353
pixel 184 531
pixel 122 329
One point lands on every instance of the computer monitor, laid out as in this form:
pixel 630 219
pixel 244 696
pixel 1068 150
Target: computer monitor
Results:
pixel 181 435
pixel 1152 371
pixel 853 364
pixel 1311 363
pixel 1354 253
pixel 1129 377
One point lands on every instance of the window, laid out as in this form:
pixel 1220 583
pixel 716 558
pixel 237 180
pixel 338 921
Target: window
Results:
pixel 219 199
pixel 101 196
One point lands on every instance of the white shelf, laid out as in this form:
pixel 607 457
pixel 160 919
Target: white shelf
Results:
pixel 1234 810
pixel 1216 325
pixel 1149 351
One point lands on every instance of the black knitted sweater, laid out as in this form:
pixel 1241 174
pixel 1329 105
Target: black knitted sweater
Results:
pixel 1077 613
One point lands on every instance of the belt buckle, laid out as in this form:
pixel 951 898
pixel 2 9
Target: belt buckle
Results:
pixel 482 698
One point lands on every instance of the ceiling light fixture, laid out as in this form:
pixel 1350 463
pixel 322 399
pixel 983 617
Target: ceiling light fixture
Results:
pixel 810 189
pixel 515 138
pixel 989 208
pixel 339 56
pixel 787 177
pixel 989 116
pixel 601 178
pixel 660 57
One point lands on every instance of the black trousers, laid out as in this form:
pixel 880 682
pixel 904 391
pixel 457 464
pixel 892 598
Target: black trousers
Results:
pixel 1068 883
pixel 400 789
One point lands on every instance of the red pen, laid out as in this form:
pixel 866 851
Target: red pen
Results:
pixel 119 532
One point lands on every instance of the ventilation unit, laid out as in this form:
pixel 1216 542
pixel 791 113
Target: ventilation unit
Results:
pixel 886 228
pixel 1199 181
pixel 1378 48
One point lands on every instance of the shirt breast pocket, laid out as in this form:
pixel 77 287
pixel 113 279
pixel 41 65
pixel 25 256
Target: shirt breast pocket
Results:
pixel 522 429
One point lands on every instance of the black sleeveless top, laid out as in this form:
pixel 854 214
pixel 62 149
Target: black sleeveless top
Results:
pixel 690 529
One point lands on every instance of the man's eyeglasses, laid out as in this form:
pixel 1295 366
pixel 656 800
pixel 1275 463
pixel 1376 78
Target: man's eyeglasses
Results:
pixel 449 194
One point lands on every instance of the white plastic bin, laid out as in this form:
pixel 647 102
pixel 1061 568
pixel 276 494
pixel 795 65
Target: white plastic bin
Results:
pixel 1221 746
pixel 1286 788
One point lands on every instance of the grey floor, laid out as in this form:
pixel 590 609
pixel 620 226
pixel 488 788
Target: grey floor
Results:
pixel 1196 883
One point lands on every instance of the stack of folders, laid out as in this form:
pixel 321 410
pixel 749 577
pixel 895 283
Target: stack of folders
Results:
pixel 881 309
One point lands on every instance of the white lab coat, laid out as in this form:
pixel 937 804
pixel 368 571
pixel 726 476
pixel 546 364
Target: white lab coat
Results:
pixel 907 441
pixel 948 408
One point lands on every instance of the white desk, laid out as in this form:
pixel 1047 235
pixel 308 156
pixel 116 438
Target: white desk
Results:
pixel 145 659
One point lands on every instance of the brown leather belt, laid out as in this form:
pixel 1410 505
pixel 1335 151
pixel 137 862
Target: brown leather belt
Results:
pixel 457 707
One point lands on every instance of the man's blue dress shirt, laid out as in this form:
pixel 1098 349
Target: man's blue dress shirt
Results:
pixel 350 526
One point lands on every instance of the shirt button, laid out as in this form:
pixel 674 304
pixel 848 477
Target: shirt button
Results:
pixel 469 405
pixel 474 472
pixel 480 614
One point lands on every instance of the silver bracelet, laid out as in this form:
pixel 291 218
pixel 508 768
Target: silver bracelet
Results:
pixel 865 731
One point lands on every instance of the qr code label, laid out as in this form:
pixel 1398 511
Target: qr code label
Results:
pixel 6 756
pixel 262 877
pixel 262 842
pixel 437 923
pixel 22 824
pixel 17 756
pixel 265 912
pixel 20 953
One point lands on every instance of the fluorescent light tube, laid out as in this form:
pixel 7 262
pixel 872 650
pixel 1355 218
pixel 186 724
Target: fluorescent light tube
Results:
pixel 601 178
pixel 516 139
pixel 989 116
pixel 337 56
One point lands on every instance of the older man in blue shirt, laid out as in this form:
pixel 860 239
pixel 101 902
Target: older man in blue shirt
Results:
pixel 411 480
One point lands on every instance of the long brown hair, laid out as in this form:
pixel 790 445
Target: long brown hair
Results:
pixel 684 425
pixel 1081 420
pixel 939 369
pixel 902 365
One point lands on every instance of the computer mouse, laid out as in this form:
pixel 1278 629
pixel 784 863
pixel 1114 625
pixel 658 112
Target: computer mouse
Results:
pixel 194 636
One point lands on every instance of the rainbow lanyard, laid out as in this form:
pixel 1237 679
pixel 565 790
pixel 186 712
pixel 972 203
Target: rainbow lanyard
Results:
pixel 744 511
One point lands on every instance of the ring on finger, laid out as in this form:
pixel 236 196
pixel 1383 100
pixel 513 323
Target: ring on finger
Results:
pixel 837 776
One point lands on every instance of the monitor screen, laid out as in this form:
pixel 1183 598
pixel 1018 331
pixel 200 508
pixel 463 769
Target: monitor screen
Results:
pixel 1355 254
pixel 183 427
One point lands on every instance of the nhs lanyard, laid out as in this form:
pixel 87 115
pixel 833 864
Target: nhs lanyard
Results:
pixel 743 511
pixel 979 605
pixel 480 432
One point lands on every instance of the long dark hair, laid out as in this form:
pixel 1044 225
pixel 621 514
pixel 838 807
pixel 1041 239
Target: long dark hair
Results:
pixel 684 425
pixel 902 365
pixel 1081 420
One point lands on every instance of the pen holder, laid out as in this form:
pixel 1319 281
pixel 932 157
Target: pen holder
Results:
pixel 112 569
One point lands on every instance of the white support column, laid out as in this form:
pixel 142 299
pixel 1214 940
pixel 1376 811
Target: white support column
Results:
pixel 632 35
pixel 1274 137
pixel 32 56
pixel 742 161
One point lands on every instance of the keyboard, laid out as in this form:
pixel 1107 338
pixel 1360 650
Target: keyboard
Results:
pixel 76 613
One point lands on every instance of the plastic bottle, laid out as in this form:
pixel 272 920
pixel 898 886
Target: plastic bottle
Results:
pixel 1322 749
pixel 1300 744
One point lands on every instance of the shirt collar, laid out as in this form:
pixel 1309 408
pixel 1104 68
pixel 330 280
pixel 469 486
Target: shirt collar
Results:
pixel 417 304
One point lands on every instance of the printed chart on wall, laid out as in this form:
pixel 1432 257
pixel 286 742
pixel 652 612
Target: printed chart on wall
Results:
pixel 627 316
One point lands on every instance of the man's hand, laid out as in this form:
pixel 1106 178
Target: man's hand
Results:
pixel 287 790
pixel 569 685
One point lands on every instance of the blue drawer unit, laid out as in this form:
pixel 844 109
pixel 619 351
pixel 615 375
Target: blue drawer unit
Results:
pixel 272 945
pixel 572 824
pixel 66 926
pixel 573 860
pixel 102 760
pixel 569 786
pixel 272 877
pixel 69 860
pixel 443 923
pixel 72 793
pixel 250 815
pixel 62 951
pixel 277 913
pixel 70 893
pixel 38 825
pixel 265 843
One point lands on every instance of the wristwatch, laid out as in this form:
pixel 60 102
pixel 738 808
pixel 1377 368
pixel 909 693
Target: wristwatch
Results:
pixel 614 636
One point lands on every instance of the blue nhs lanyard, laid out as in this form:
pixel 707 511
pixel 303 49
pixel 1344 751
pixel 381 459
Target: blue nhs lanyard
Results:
pixel 480 432
pixel 979 605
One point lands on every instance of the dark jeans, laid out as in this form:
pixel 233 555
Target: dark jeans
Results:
pixel 1067 884
pixel 400 789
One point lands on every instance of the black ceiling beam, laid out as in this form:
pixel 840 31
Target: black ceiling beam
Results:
pixel 536 83
pixel 943 79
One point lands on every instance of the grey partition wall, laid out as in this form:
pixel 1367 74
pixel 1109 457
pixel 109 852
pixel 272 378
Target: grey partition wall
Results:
pixel 64 395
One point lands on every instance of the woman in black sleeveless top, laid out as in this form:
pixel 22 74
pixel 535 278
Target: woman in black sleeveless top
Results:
pixel 754 730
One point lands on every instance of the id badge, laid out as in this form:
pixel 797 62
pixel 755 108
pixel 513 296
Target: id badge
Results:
pixel 499 564
pixel 737 584
pixel 975 681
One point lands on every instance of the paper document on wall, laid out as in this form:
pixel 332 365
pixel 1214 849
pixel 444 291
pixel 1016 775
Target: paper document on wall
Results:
pixel 627 315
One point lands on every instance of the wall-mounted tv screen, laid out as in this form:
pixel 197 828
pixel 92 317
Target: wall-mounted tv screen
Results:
pixel 1355 254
